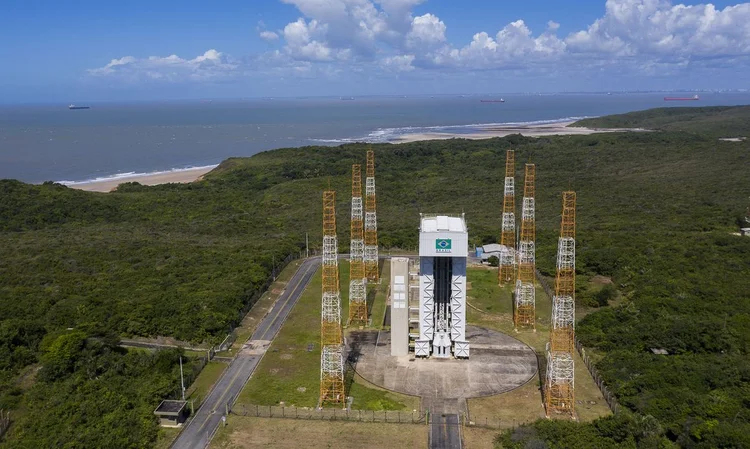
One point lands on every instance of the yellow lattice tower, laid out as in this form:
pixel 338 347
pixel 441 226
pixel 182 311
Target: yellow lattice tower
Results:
pixel 508 234
pixel 525 290
pixel 371 221
pixel 331 357
pixel 560 383
pixel 563 331
pixel 357 279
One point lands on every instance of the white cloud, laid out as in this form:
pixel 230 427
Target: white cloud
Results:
pixel 305 41
pixel 401 63
pixel 210 65
pixel 269 36
pixel 658 29
pixel 427 31
pixel 332 36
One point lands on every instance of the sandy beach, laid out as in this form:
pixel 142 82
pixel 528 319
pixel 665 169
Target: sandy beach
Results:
pixel 180 176
pixel 550 129
pixel 190 175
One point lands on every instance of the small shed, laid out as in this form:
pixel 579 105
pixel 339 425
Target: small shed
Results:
pixel 492 249
pixel 171 413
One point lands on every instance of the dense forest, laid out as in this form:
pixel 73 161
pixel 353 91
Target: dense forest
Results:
pixel 656 213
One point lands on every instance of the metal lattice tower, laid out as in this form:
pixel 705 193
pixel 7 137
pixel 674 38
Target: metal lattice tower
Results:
pixel 357 279
pixel 524 315
pixel 371 221
pixel 331 354
pixel 508 235
pixel 559 389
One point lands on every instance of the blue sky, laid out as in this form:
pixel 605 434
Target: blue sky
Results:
pixel 114 51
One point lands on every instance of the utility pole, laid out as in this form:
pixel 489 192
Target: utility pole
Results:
pixel 307 246
pixel 182 380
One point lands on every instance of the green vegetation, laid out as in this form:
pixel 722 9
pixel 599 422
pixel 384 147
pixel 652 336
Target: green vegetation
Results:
pixel 204 381
pixel 370 397
pixel 720 121
pixel 655 213
pixel 91 393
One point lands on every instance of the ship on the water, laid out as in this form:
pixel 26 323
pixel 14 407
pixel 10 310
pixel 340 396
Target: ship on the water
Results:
pixel 693 98
pixel 72 106
pixel 502 100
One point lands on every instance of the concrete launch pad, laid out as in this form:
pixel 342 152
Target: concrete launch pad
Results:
pixel 498 363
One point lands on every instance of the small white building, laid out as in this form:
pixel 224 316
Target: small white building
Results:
pixel 443 250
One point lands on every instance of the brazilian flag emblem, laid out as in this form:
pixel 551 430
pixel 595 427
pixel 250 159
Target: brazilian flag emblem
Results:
pixel 443 245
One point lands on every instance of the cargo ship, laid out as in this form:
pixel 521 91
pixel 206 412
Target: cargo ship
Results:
pixel 693 98
pixel 72 106
pixel 493 101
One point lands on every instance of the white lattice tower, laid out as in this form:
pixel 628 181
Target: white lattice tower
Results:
pixel 357 278
pixel 560 387
pixel 560 382
pixel 331 355
pixel 525 293
pixel 508 234
pixel 371 221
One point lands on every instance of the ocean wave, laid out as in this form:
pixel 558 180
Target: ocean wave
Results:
pixel 131 174
pixel 384 135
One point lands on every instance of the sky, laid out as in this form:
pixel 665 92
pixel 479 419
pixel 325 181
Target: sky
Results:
pixel 83 50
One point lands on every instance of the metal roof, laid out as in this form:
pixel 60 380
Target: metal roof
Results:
pixel 442 223
pixel 493 248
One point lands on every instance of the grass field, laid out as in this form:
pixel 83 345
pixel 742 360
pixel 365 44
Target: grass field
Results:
pixel 206 379
pixel 477 437
pixel 377 308
pixel 251 433
pixel 368 396
pixel 290 370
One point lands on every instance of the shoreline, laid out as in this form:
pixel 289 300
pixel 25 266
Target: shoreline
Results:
pixel 482 132
pixel 489 132
pixel 146 179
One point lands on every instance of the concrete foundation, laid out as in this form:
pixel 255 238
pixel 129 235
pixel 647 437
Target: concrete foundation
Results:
pixel 498 363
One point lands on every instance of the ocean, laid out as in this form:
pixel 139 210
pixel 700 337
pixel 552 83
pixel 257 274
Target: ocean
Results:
pixel 109 141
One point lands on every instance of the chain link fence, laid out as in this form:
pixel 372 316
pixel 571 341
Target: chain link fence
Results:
pixel 330 414
pixel 608 395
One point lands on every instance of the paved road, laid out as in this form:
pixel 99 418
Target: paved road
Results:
pixel 445 432
pixel 199 431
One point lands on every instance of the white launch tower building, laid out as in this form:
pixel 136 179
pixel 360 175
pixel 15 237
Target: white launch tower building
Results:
pixel 443 249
